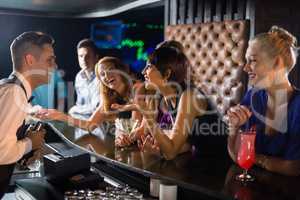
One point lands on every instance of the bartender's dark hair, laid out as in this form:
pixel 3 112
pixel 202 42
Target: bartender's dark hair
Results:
pixel 28 43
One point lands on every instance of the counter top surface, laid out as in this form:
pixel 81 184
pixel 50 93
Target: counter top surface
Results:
pixel 204 172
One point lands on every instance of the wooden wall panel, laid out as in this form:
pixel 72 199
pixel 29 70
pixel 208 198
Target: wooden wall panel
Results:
pixel 199 11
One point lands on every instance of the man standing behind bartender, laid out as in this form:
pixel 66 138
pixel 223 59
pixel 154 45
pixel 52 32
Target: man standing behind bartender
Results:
pixel 33 61
pixel 86 83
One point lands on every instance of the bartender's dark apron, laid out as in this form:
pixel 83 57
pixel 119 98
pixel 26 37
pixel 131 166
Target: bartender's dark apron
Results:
pixel 7 170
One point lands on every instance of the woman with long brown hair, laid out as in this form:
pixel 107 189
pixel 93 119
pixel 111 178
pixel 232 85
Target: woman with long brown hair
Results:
pixel 169 114
pixel 115 87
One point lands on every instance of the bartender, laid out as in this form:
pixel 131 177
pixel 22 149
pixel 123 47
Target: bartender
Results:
pixel 33 62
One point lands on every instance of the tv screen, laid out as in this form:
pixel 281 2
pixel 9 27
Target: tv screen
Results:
pixel 107 34
pixel 134 41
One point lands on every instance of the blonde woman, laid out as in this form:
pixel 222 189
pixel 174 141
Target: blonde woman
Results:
pixel 272 105
pixel 116 86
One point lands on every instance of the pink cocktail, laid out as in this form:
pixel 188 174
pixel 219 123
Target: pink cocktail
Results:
pixel 246 154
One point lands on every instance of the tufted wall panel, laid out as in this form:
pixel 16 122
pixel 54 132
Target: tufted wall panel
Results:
pixel 216 51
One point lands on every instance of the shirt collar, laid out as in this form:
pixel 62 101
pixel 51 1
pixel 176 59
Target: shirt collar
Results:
pixel 84 76
pixel 24 82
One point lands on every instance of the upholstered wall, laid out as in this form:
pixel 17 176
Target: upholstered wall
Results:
pixel 216 51
pixel 262 14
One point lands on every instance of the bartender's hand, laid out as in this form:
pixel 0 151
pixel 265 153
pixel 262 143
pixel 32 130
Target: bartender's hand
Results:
pixel 37 138
pixel 37 155
pixel 50 114
pixel 238 115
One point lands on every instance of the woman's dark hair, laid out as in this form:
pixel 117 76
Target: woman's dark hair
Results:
pixel 172 44
pixel 165 58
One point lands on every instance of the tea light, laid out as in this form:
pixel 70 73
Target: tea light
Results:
pixel 154 187
pixel 167 191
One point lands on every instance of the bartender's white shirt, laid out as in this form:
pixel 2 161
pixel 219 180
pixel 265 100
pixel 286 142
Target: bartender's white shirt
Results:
pixel 13 110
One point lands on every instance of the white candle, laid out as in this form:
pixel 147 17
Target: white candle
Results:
pixel 167 191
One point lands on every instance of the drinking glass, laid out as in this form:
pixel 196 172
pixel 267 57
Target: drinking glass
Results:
pixel 246 155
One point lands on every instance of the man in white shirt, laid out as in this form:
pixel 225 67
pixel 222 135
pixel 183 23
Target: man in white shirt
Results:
pixel 86 84
pixel 33 62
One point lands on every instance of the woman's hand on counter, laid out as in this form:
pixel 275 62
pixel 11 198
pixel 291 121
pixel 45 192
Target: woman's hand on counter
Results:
pixel 148 144
pixel 123 140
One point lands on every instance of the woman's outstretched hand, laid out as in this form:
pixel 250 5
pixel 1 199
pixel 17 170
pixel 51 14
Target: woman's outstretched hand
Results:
pixel 50 114
pixel 126 107
pixel 148 107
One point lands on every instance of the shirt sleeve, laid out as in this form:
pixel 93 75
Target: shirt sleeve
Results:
pixel 293 143
pixel 86 110
pixel 13 104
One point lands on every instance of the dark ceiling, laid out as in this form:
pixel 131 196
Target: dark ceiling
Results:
pixel 72 8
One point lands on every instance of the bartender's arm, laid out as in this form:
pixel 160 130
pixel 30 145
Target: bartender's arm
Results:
pixel 11 116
